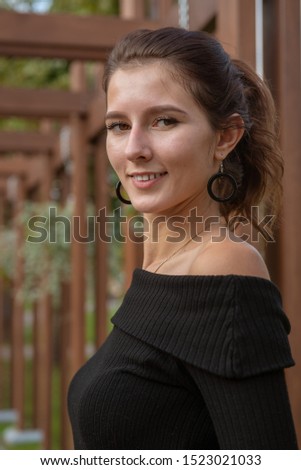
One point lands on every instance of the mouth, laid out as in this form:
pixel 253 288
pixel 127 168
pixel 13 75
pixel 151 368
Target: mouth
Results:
pixel 147 176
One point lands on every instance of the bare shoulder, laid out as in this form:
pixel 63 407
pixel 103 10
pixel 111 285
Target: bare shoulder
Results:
pixel 230 257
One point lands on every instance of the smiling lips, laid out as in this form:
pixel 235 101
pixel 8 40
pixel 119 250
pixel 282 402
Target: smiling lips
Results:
pixel 147 177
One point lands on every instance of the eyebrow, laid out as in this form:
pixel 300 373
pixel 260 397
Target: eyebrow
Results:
pixel 151 110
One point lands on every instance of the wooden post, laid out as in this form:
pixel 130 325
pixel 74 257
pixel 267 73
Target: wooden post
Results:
pixel 64 323
pixel 79 228
pixel 101 245
pixel 236 28
pixel 44 368
pixel 130 9
pixel 289 97
pixel 271 66
pixel 2 202
pixel 43 329
pixel 164 10
pixel 282 69
pixel 18 366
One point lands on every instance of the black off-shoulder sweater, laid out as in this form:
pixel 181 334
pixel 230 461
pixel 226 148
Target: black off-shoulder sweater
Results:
pixel 193 362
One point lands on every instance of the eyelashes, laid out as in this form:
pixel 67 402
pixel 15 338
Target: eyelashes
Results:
pixel 166 120
pixel 159 122
pixel 114 125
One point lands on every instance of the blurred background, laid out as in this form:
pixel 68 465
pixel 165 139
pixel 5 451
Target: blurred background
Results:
pixel 66 256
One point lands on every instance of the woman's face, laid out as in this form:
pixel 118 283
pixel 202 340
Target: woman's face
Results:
pixel 159 141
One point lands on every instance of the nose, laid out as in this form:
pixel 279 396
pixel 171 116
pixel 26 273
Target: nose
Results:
pixel 138 145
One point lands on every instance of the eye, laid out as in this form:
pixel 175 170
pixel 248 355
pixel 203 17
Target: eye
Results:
pixel 164 121
pixel 117 126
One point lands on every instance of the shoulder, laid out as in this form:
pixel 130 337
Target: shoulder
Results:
pixel 230 256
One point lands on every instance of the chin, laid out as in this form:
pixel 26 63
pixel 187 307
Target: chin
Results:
pixel 158 209
pixel 143 208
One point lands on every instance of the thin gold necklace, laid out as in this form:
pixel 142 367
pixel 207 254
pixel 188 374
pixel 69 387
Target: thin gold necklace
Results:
pixel 175 252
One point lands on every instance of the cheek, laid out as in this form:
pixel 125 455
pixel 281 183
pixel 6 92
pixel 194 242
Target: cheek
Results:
pixel 197 145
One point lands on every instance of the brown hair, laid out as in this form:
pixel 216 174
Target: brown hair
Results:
pixel 221 86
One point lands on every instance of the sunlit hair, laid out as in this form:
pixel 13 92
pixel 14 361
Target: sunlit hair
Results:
pixel 221 86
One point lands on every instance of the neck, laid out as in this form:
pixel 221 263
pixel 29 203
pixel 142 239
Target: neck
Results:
pixel 167 235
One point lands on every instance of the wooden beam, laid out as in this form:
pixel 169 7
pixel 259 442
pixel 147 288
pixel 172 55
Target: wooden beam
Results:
pixel 13 166
pixel 41 103
pixel 63 35
pixel 31 168
pixel 27 142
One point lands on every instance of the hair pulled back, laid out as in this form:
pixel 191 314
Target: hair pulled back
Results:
pixel 221 87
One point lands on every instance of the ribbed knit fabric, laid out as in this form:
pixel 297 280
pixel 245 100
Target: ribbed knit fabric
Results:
pixel 193 362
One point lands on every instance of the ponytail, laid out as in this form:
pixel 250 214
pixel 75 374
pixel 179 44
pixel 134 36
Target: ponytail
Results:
pixel 257 160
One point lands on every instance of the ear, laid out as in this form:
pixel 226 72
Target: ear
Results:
pixel 229 137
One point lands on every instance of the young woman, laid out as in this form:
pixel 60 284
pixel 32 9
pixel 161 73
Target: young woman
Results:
pixel 197 355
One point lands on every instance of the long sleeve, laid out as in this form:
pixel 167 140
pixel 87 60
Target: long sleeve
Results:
pixel 250 413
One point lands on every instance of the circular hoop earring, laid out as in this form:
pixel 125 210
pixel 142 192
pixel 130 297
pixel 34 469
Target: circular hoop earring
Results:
pixel 119 195
pixel 220 176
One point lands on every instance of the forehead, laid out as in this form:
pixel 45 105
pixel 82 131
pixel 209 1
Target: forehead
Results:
pixel 142 74
pixel 140 68
pixel 146 82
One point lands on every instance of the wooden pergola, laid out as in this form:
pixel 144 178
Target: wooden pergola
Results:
pixel 34 158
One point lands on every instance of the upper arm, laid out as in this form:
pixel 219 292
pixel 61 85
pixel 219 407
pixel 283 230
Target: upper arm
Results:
pixel 250 413
pixel 230 257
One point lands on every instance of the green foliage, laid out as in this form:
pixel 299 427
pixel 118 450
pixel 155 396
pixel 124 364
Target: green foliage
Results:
pixel 7 250
pixel 47 261
pixel 86 7
pixel 34 73
pixel 46 264
pixel 20 5
pixel 42 261
pixel 16 124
